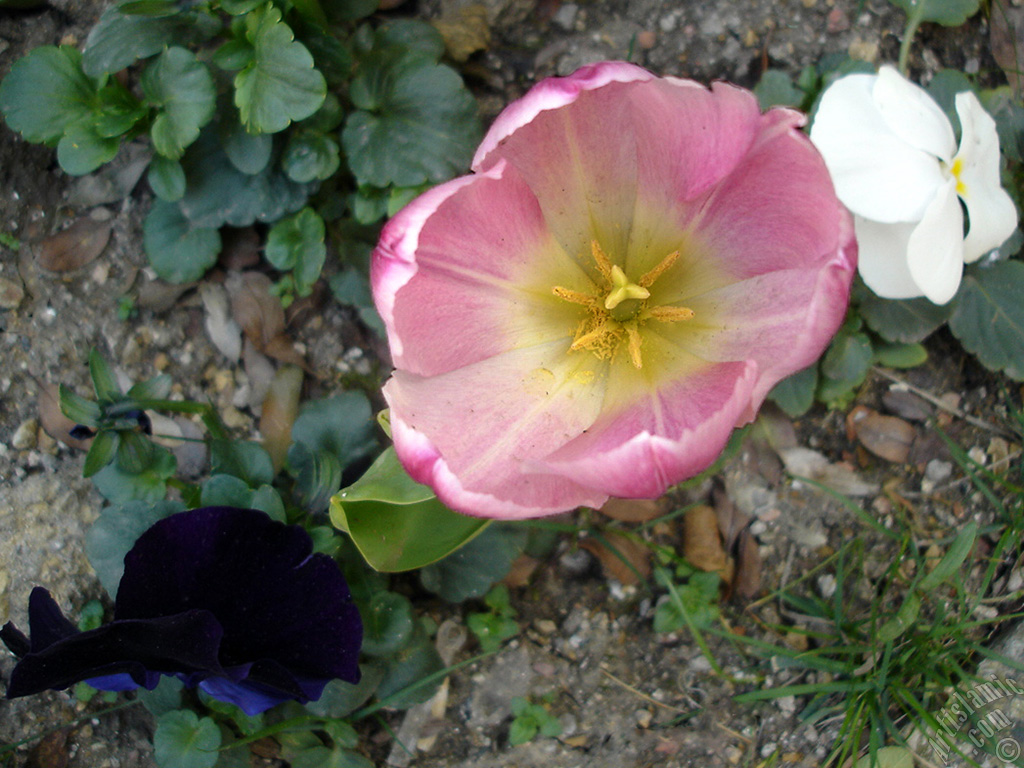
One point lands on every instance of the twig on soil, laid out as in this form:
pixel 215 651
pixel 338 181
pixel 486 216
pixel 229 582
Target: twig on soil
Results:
pixel 938 403
pixel 641 694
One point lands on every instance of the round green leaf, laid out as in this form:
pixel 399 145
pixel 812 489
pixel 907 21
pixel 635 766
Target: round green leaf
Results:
pixel 900 355
pixel 424 130
pixel 471 570
pixel 949 13
pixel 166 178
pixel 115 532
pixel 848 358
pixel 118 40
pixel 82 150
pixel 387 624
pixel 311 156
pixel 340 698
pixel 226 491
pixel 120 487
pixel 182 89
pixel 179 251
pixel 244 459
pixel 45 92
pixel 408 667
pixel 296 238
pixel 280 84
pixel 248 152
pixel 776 89
pixel 989 317
pixel 795 394
pixel 342 425
pixel 183 740
pixel 903 320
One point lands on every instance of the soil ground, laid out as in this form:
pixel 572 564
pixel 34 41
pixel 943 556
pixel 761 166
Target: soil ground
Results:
pixel 626 695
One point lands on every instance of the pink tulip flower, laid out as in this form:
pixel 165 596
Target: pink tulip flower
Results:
pixel 631 267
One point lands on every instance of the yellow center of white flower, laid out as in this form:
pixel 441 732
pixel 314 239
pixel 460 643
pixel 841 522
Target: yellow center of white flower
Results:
pixel 617 309
pixel 956 169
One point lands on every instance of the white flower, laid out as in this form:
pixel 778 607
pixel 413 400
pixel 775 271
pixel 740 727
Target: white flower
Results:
pixel 895 164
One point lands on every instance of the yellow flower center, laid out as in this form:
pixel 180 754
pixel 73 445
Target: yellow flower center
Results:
pixel 617 309
pixel 956 169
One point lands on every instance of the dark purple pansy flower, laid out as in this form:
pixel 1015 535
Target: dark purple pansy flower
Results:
pixel 223 598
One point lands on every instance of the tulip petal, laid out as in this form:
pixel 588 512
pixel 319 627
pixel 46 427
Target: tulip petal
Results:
pixel 468 433
pixel 877 174
pixel 990 210
pixel 913 115
pixel 747 229
pixel 460 284
pixel 935 250
pixel 552 136
pixel 663 435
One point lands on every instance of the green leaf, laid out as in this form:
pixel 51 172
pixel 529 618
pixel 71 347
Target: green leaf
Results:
pixel 350 10
pixel 166 697
pixel 471 570
pixel 178 250
pixel 989 317
pixel 244 459
pixel 848 357
pixel 281 83
pixel 904 619
pixel 311 156
pixel 135 453
pixel 183 740
pixel 226 491
pixel 117 110
pixel 79 409
pixel 82 149
pixel 101 452
pixel 340 698
pixel 218 193
pixel 950 563
pixel 795 394
pixel 118 40
pixel 943 87
pixel 411 664
pixel 412 37
pixel 350 287
pixel 423 126
pixel 342 425
pixel 233 55
pixel 522 730
pixel 120 487
pixel 104 382
pixel 115 532
pixel 369 204
pixel 46 92
pixel 387 624
pixel 166 179
pixel 887 757
pixel 776 89
pixel 182 89
pixel 903 320
pixel 895 355
pixel 297 243
pixel 949 13
pixel 491 630
pixel 156 388
pixel 396 523
pixel 248 152
pixel 317 475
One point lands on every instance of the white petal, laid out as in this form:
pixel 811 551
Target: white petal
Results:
pixel 882 258
pixel 913 115
pixel 877 174
pixel 935 252
pixel 992 214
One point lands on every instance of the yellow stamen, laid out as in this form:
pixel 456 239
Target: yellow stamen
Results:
pixel 623 290
pixel 670 314
pixel 956 169
pixel 591 338
pixel 604 264
pixel 648 279
pixel 634 344
pixel 574 296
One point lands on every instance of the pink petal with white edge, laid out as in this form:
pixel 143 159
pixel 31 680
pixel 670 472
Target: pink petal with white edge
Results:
pixel 453 279
pixel 638 450
pixel 470 433
pixel 778 209
pixel 992 214
pixel 579 159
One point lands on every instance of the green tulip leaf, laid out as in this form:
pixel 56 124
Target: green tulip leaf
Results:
pixel 45 93
pixel 396 523
pixel 115 532
pixel 182 89
pixel 989 317
pixel 280 84
pixel 179 250
pixel 183 740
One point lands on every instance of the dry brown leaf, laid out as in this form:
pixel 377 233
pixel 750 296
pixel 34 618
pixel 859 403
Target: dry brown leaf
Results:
pixel 53 421
pixel 731 521
pixel 746 583
pixel 887 437
pixel 907 405
pixel 702 542
pixel 465 31
pixel 280 408
pixel 74 247
pixel 221 328
pixel 1006 36
pixel 254 307
pixel 51 751
pixel 521 571
pixel 159 296
pixel 628 559
pixel 841 477
pixel 282 348
pixel 632 510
